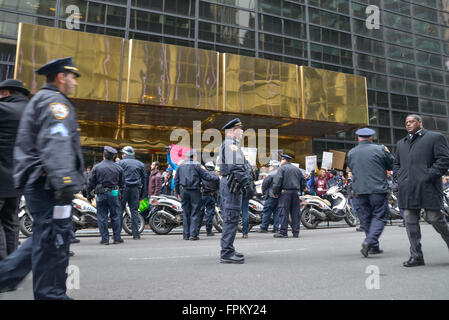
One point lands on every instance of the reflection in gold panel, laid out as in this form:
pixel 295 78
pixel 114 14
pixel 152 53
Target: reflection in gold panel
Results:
pixel 299 149
pixel 96 56
pixel 170 75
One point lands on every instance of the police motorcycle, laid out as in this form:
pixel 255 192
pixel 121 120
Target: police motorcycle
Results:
pixel 25 218
pixel 316 210
pixel 167 214
pixel 393 206
pixel 85 216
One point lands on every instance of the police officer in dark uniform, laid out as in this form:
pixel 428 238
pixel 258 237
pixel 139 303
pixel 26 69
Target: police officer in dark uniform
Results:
pixel 288 183
pixel 235 181
pixel 369 163
pixel 187 185
pixel 49 165
pixel 135 182
pixel 107 179
pixel 208 199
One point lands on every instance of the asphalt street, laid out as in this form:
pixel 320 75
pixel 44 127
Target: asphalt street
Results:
pixel 320 264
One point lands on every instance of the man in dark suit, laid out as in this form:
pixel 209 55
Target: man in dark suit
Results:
pixel 422 158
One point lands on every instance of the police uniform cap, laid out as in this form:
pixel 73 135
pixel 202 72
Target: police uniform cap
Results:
pixel 234 123
pixel 286 156
pixel 365 132
pixel 15 85
pixel 110 149
pixel 58 65
pixel 128 150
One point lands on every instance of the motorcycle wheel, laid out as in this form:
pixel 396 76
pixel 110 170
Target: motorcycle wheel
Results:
pixel 217 221
pixel 308 220
pixel 127 225
pixel 159 224
pixel 26 225
pixel 350 218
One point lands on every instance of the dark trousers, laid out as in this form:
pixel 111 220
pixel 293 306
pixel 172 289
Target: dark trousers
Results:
pixel 46 252
pixel 435 218
pixel 289 203
pixel 270 207
pixel 245 215
pixel 230 206
pixel 131 196
pixel 373 211
pixel 208 208
pixel 106 202
pixel 191 205
pixel 9 226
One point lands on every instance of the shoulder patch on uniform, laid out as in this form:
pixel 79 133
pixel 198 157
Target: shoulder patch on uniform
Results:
pixel 59 110
pixel 233 147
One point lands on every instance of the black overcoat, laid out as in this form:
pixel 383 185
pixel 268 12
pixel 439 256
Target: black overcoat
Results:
pixel 419 164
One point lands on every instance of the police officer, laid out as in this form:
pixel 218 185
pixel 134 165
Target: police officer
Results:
pixel 107 179
pixel 208 199
pixel 187 185
pixel 135 182
pixel 288 183
pixel 49 165
pixel 13 100
pixel 270 205
pixel 234 182
pixel 369 163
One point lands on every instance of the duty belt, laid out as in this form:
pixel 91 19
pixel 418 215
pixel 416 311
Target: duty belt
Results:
pixel 104 190
pixel 285 190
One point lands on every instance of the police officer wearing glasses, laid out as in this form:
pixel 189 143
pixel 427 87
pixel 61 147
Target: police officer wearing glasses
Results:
pixel 107 179
pixel 235 181
pixel 49 165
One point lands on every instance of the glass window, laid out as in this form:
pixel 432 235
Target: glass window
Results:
pixel 360 28
pixel 430 3
pixel 341 6
pixel 42 7
pixel 183 7
pixel 399 37
pixel 377 99
pixel 369 45
pixel 434 123
pixel 7 52
pixel 373 2
pixel 179 42
pixel 374 81
pixel 400 53
pixel 425 13
pixel 148 4
pixel 397 6
pixel 268 42
pixel 227 15
pixel 432 106
pixel 431 91
pixel 444 17
pixel 329 36
pixel 271 24
pixel 226 35
pixel 247 4
pixel 97 13
pixel 358 10
pixel 145 21
pixel 270 56
pixel 145 37
pixel 6 71
pixel 404 102
pixel 328 19
pixel 382 135
pixel 9 23
pixel 331 67
pixel 397 21
pixel 425 28
pixel 370 63
pixel 103 30
pixel 432 75
pixel 294 29
pixel 402 86
pixel 225 49
pixel 429 59
pixel 177 26
pixel 379 117
pixel 399 118
pixel 282 8
pixel 428 44
pixel 401 69
pixel 330 54
pixel 399 134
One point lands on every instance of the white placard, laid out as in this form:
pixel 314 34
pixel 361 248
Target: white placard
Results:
pixel 62 212
pixel 327 160
pixel 258 184
pixel 311 163
pixel 295 164
pixel 250 155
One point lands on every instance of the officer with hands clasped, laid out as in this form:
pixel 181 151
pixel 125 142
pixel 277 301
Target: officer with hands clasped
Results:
pixel 235 181
pixel 107 179
pixel 187 185
pixel 288 183
pixel 49 165
pixel 208 195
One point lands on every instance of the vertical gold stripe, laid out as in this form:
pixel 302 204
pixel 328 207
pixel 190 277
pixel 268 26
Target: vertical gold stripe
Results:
pixel 130 51
pixel 19 38
pixel 224 81
pixel 218 80
pixel 366 99
pixel 303 100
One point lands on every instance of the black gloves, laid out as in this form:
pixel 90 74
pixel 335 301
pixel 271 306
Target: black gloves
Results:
pixel 248 191
pixel 64 196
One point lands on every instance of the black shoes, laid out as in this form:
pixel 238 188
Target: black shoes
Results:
pixel 262 231
pixel 194 238
pixel 233 259
pixel 359 230
pixel 136 237
pixel 71 253
pixel 245 236
pixel 118 241
pixel 239 254
pixel 280 235
pixel 185 238
pixel 210 234
pixel 75 240
pixel 413 262
pixel 365 249
pixel 375 251
pixel 296 236
pixel 104 242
